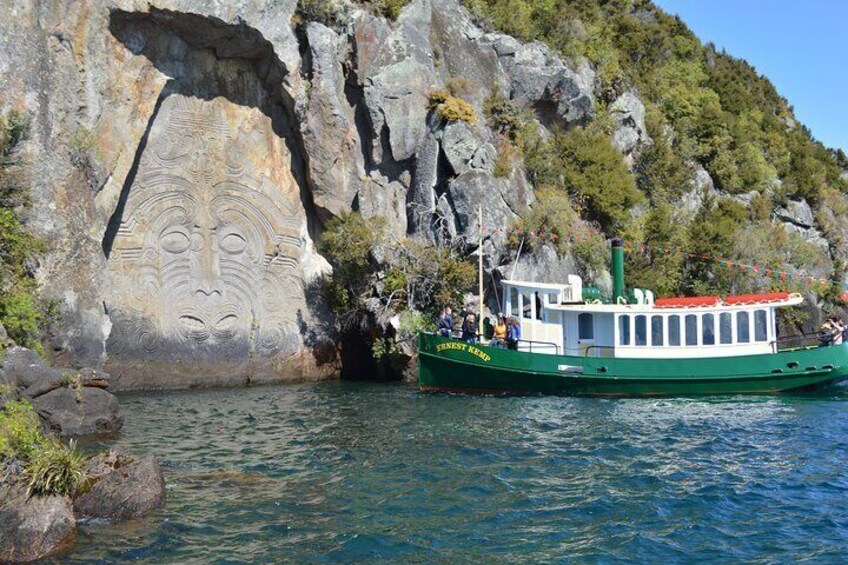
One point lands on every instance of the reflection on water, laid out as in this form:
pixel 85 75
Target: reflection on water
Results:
pixel 358 472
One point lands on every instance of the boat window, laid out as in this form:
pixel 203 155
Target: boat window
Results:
pixel 691 329
pixel 743 328
pixel 760 325
pixel 656 330
pixel 674 329
pixel 624 330
pixel 585 326
pixel 708 329
pixel 511 308
pixel 725 328
pixel 640 334
pixel 538 307
pixel 525 305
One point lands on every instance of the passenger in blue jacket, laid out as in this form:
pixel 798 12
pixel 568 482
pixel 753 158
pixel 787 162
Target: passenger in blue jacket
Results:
pixel 513 334
pixel 444 325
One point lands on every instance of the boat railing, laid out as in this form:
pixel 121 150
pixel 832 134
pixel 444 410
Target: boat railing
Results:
pixel 531 343
pixel 805 340
pixel 599 349
pixel 547 345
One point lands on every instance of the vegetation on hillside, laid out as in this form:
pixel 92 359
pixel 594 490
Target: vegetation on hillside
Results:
pixel 21 311
pixel 375 275
pixel 329 12
pixel 703 107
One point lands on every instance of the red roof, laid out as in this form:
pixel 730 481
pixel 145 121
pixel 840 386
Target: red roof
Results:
pixel 707 301
pixel 686 302
pixel 757 298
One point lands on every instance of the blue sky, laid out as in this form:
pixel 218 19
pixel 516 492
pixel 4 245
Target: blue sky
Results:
pixel 802 47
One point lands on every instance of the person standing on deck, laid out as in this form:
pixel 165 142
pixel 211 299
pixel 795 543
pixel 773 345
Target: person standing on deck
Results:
pixel 444 325
pixel 469 329
pixel 513 334
pixel 499 332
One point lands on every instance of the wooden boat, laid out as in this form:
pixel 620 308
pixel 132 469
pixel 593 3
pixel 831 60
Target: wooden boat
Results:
pixel 633 346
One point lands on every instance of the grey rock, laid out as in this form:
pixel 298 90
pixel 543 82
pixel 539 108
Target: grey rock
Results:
pixel 34 528
pixel 26 368
pixel 395 71
pixel 797 212
pixel 422 200
pixel 544 265
pixel 810 235
pixel 744 198
pixel 445 221
pixel 465 52
pixel 81 411
pixel 471 190
pixel 330 136
pixel 628 112
pixel 65 377
pixel 381 196
pixel 127 491
pixel 701 189
pixel 465 149
pixel 559 94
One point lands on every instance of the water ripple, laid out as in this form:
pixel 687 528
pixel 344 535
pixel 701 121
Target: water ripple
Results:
pixel 380 473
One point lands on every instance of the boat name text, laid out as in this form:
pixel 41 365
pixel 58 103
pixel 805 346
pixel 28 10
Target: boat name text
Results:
pixel 463 347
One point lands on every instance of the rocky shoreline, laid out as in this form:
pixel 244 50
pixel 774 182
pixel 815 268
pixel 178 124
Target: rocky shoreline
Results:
pixel 70 404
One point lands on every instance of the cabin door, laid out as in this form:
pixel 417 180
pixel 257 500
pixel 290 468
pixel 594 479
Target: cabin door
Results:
pixel 586 335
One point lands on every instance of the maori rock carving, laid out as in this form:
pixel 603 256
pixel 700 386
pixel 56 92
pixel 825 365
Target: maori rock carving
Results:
pixel 206 261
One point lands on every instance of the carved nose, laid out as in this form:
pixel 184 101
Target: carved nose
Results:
pixel 208 274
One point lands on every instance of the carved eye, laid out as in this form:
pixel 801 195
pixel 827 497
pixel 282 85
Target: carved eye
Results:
pixel 233 243
pixel 175 242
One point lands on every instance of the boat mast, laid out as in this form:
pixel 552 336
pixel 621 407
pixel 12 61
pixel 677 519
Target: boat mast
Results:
pixel 480 266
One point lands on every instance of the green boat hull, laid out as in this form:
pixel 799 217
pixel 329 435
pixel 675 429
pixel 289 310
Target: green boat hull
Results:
pixel 452 366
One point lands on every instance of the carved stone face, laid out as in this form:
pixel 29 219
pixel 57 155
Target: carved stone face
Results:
pixel 205 261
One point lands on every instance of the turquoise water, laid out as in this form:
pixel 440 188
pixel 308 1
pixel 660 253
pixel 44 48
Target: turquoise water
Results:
pixel 346 472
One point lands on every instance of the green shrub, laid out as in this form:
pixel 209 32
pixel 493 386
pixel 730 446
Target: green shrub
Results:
pixel 20 430
pixel 22 316
pixel 20 309
pixel 438 96
pixel 389 8
pixel 584 163
pixel 56 468
pixel 327 12
pixel 451 108
pixel 553 215
pixel 507 156
pixel 348 243
pixel 456 109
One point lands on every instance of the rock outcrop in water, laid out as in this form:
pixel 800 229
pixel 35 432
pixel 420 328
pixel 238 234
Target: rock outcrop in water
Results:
pixel 71 402
pixel 123 488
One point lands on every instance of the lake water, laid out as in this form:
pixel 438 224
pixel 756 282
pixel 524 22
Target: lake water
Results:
pixel 349 472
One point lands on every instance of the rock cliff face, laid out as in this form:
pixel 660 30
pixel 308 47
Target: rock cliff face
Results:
pixel 185 154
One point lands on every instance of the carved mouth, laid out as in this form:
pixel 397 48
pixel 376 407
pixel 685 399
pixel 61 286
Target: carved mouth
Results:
pixel 193 324
pixel 226 323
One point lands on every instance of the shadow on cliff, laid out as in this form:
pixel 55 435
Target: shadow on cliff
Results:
pixel 208 58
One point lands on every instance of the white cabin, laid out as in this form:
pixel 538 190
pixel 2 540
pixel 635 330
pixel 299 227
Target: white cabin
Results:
pixel 555 319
